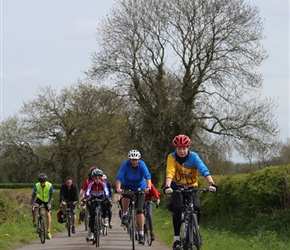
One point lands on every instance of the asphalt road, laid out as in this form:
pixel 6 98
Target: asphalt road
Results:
pixel 117 238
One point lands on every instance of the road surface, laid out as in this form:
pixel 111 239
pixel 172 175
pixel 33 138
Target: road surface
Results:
pixel 117 238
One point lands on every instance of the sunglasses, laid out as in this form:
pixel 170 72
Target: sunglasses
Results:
pixel 98 176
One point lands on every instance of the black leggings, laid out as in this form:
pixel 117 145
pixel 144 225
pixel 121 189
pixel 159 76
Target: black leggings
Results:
pixel 175 206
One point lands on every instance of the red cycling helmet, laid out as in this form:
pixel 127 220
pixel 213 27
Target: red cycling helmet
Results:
pixel 91 170
pixel 181 141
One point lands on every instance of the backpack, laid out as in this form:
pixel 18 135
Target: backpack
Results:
pixel 60 216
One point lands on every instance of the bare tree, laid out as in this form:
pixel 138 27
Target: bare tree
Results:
pixel 191 67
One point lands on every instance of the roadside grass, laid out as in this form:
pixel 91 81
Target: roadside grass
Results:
pixel 265 232
pixel 17 230
pixel 230 233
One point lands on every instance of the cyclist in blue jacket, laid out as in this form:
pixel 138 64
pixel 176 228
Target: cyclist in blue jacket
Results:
pixel 134 175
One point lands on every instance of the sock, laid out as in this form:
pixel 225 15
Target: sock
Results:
pixel 176 238
pixel 141 232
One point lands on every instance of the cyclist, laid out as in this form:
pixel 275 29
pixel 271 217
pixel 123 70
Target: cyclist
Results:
pixel 69 192
pixel 43 192
pixel 182 169
pixel 152 193
pixel 96 189
pixel 134 175
pixel 83 191
pixel 108 219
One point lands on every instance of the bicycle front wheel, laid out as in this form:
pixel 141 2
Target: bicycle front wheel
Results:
pixel 41 230
pixel 132 227
pixel 68 224
pixel 193 233
pixel 98 228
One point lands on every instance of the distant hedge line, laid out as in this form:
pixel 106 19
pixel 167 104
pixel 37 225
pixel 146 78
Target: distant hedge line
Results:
pixel 22 185
pixel 262 191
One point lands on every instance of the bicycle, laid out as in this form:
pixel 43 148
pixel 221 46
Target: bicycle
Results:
pixel 99 227
pixel 189 231
pixel 68 218
pixel 132 227
pixel 40 223
pixel 148 225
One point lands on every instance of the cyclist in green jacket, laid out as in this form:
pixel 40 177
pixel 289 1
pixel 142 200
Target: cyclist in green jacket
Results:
pixel 43 192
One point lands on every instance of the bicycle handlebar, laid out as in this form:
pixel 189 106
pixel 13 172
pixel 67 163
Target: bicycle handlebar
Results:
pixel 191 190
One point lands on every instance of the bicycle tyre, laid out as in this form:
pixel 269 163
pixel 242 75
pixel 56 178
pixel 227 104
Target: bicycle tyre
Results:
pixel 195 233
pixel 147 230
pixel 68 224
pixel 132 227
pixel 41 230
pixel 192 233
pixel 98 227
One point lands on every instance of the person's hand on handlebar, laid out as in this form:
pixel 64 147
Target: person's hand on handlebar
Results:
pixel 167 190
pixel 213 187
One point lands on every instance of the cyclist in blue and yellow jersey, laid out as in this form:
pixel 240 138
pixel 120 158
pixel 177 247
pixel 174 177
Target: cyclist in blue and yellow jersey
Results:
pixel 43 192
pixel 134 175
pixel 182 170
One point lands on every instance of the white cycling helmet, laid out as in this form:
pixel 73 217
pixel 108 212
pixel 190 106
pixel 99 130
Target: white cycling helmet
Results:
pixel 104 177
pixel 134 154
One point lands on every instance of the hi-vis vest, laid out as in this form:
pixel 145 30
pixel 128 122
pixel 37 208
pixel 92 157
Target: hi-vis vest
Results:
pixel 43 192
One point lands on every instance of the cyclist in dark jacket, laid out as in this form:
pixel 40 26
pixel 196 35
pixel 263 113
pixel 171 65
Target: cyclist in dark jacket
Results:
pixel 69 192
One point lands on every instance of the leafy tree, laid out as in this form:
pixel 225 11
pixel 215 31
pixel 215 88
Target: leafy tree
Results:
pixel 18 158
pixel 188 67
pixel 67 133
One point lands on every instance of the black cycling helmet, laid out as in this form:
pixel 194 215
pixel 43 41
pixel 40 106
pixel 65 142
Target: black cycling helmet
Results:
pixel 42 177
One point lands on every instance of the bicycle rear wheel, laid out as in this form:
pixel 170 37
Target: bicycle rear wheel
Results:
pixel 41 230
pixel 147 234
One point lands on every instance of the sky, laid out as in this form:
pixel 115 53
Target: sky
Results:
pixel 49 43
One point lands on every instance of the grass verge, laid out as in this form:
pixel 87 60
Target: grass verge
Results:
pixel 231 232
